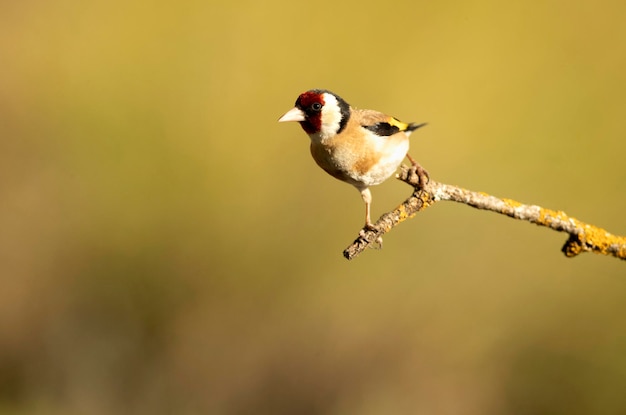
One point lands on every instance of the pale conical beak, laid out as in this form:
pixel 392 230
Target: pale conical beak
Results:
pixel 294 114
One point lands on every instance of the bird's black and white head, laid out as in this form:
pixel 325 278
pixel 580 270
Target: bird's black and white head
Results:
pixel 321 113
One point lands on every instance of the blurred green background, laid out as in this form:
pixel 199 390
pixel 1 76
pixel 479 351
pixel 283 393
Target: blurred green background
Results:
pixel 167 247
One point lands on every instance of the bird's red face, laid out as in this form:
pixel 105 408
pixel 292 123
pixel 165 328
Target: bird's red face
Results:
pixel 311 104
pixel 319 112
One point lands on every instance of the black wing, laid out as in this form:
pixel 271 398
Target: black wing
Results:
pixel 383 129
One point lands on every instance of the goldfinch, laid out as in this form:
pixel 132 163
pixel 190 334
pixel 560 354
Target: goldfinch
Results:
pixel 360 147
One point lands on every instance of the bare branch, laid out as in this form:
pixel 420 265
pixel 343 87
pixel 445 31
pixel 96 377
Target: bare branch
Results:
pixel 582 237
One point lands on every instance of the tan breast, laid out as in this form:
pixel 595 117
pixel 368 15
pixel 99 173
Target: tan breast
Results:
pixel 356 155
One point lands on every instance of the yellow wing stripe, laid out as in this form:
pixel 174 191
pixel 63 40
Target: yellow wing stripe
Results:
pixel 397 123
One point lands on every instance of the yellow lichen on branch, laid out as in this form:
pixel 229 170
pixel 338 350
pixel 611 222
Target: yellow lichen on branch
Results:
pixel 594 239
pixel 582 237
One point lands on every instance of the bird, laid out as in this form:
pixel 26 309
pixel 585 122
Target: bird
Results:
pixel 358 146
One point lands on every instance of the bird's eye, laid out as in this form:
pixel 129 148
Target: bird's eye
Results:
pixel 316 106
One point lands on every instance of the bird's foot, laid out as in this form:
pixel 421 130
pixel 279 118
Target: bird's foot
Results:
pixel 369 226
pixel 418 175
pixel 366 228
pixel 378 243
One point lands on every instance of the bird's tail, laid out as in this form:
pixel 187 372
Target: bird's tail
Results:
pixel 413 126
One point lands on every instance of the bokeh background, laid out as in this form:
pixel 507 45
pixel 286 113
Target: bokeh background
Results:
pixel 167 247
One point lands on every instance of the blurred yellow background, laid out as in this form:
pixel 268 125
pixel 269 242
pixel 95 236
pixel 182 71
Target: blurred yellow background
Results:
pixel 167 247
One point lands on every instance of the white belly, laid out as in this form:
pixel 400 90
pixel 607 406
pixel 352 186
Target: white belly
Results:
pixel 387 165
